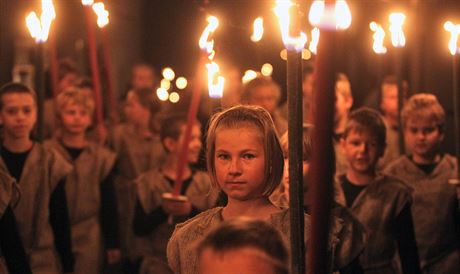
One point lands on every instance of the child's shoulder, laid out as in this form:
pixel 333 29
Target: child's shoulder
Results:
pixel 198 225
pixel 393 184
pixel 398 164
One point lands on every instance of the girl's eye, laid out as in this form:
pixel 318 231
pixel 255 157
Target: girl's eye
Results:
pixel 249 156
pixel 223 157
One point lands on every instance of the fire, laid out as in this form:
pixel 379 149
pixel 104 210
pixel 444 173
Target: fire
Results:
pixel 378 36
pixel 328 17
pixel 205 42
pixel 39 28
pixel 87 2
pixel 398 39
pixel 102 14
pixel 454 33
pixel 314 40
pixel 248 76
pixel 282 12
pixel 258 30
pixel 215 81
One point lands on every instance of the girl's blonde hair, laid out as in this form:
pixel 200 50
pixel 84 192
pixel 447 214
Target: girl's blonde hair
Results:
pixel 424 106
pixel 243 116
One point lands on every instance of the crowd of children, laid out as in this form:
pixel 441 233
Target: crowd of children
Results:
pixel 102 198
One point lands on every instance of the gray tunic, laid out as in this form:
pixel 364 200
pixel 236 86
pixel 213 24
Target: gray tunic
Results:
pixel 83 198
pixel 136 155
pixel 42 171
pixel 435 211
pixel 376 207
pixel 150 187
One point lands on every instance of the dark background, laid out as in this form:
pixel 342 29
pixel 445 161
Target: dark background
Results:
pixel 165 33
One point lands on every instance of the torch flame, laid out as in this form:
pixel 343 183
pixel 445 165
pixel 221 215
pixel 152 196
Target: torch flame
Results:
pixel 205 42
pixel 314 40
pixel 102 14
pixel 258 30
pixel 378 36
pixel 398 38
pixel 87 2
pixel 327 17
pixel 282 12
pixel 215 81
pixel 454 33
pixel 39 28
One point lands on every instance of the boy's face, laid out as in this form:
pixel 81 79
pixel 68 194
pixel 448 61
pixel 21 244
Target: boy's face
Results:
pixel 134 111
pixel 244 260
pixel 194 145
pixel 75 118
pixel 362 151
pixel 143 77
pixel 423 137
pixel 18 115
pixel 305 169
pixel 265 97
pixel 389 103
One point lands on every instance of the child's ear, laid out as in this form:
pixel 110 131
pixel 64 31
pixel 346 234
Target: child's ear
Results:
pixel 170 143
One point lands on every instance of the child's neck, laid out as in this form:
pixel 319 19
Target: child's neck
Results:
pixel 426 159
pixel 74 140
pixel 260 208
pixel 18 145
pixel 360 179
pixel 169 168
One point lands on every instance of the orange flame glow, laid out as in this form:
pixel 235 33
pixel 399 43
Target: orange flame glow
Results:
pixel 314 40
pixel 102 14
pixel 87 2
pixel 454 33
pixel 282 12
pixel 337 17
pixel 205 42
pixel 398 39
pixel 378 36
pixel 39 28
pixel 258 31
pixel 215 81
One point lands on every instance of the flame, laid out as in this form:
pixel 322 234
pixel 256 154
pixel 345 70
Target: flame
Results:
pixel 454 33
pixel 181 82
pixel 205 42
pixel 39 28
pixel 267 69
pixel 327 17
pixel 378 36
pixel 249 75
pixel 168 73
pixel 314 40
pixel 102 14
pixel 398 38
pixel 282 12
pixel 162 94
pixel 87 2
pixel 174 97
pixel 215 81
pixel 258 30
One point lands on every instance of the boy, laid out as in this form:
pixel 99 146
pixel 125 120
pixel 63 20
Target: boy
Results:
pixel 39 173
pixel 89 187
pixel 153 209
pixel 243 245
pixel 427 171
pixel 382 204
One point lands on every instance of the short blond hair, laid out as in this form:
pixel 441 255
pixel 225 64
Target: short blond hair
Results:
pixel 242 116
pixel 424 106
pixel 75 95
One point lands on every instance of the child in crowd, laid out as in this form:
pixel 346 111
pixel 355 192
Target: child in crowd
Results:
pixel 345 227
pixel 427 171
pixel 89 187
pixel 263 91
pixel 143 76
pixel 13 258
pixel 138 147
pixel 41 213
pixel 152 209
pixel 343 103
pixel 245 161
pixel 382 204
pixel 243 246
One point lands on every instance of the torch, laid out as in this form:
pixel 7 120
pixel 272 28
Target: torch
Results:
pixel 378 36
pixel 39 30
pixel 328 18
pixel 454 30
pixel 294 47
pixel 398 40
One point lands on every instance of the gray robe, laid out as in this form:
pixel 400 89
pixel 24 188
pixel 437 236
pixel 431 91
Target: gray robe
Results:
pixel 435 211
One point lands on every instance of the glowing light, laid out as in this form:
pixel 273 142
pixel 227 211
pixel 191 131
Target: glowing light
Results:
pixel 454 33
pixel 168 73
pixel 258 31
pixel 330 17
pixel 267 69
pixel 162 94
pixel 174 97
pixel 39 28
pixel 87 2
pixel 398 39
pixel 102 14
pixel 165 83
pixel 314 40
pixel 215 81
pixel 282 12
pixel 378 36
pixel 306 54
pixel 205 42
pixel 181 82
pixel 249 75
pixel 283 54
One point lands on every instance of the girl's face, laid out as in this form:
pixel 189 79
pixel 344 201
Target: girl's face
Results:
pixel 134 111
pixel 240 162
